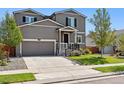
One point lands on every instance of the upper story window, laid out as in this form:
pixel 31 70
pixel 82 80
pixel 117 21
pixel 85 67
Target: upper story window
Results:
pixel 29 19
pixel 79 39
pixel 71 21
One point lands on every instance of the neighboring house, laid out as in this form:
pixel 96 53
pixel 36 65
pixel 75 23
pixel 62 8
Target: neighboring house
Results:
pixel 49 35
pixel 91 45
pixel 108 49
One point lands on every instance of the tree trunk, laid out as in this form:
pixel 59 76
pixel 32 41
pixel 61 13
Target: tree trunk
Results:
pixel 102 52
pixel 8 53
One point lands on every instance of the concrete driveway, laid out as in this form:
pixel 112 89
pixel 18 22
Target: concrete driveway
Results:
pixel 56 68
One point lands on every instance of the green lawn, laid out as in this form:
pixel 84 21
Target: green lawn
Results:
pixel 14 78
pixel 110 68
pixel 95 59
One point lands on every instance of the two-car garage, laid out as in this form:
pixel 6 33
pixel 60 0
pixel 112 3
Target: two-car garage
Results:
pixel 38 48
pixel 39 38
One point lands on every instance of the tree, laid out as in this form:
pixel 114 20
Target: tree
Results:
pixel 102 34
pixel 11 34
pixel 121 42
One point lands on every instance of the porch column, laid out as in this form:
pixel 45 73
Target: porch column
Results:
pixel 75 36
pixel 59 42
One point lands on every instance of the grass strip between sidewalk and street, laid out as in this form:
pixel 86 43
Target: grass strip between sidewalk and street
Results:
pixel 15 78
pixel 110 69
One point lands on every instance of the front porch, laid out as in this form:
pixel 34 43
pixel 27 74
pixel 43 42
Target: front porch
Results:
pixel 66 47
pixel 67 40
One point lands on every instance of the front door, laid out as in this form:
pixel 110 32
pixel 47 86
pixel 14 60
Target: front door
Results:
pixel 65 38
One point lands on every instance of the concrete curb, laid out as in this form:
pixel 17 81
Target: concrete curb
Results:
pixel 15 72
pixel 88 77
pixel 74 78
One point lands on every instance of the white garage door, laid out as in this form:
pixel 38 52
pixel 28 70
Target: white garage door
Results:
pixel 32 48
pixel 108 50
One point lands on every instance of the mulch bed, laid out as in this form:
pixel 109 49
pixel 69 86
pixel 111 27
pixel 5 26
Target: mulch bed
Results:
pixel 14 64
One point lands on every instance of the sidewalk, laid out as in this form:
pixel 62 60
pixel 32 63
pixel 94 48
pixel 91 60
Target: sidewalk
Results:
pixel 65 76
pixel 84 76
pixel 75 79
pixel 14 72
pixel 104 65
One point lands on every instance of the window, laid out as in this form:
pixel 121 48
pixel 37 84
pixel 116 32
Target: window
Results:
pixel 71 21
pixel 79 38
pixel 29 19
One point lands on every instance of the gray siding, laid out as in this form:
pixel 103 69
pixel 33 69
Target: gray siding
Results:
pixel 19 16
pixel 61 18
pixel 34 32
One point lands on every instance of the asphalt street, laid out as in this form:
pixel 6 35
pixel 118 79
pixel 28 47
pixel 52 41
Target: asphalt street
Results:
pixel 110 80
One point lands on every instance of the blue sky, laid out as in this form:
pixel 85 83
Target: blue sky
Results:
pixel 116 14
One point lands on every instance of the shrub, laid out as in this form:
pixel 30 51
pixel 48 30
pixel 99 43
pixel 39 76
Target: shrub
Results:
pixel 75 53
pixel 82 50
pixel 3 63
pixel 2 52
pixel 68 52
pixel 119 53
pixel 122 54
pixel 87 51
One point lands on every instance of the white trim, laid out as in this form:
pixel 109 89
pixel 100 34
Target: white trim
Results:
pixel 80 32
pixel 36 40
pixel 68 27
pixel 68 30
pixel 41 21
pixel 29 19
pixel 80 36
pixel 68 36
pixel 72 28
pixel 75 36
pixel 20 49
pixel 30 39
pixel 29 9
pixel 45 26
pixel 59 41
pixel 72 20
pixel 50 40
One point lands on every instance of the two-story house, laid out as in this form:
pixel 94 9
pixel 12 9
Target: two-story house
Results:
pixel 49 35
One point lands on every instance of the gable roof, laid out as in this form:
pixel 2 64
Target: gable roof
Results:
pixel 29 9
pixel 119 32
pixel 42 21
pixel 71 9
pixel 68 27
